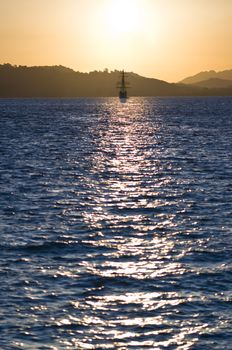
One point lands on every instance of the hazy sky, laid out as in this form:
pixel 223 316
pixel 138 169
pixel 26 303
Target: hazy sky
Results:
pixel 164 39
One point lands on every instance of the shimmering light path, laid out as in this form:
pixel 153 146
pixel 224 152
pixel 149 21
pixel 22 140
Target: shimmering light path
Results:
pixel 116 224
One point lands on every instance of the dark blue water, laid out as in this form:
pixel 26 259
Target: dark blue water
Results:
pixel 116 224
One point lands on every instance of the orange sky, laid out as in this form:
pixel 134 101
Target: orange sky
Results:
pixel 164 39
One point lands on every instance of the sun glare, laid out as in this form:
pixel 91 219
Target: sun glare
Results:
pixel 124 16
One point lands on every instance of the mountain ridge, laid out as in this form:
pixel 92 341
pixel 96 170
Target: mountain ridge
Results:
pixel 60 81
pixel 206 75
pixel 214 83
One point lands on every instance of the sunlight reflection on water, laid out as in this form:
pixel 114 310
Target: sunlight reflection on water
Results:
pixel 126 193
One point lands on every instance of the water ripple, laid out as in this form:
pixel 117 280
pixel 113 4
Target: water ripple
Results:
pixel 116 224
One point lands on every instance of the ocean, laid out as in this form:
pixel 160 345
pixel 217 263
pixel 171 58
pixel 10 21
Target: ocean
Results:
pixel 116 224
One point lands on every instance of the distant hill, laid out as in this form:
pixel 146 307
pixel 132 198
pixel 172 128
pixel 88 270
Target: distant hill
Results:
pixel 59 81
pixel 214 83
pixel 203 76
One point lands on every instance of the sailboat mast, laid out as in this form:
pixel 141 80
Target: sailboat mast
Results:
pixel 123 81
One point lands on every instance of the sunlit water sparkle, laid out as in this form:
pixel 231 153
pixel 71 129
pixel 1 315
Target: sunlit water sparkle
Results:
pixel 116 223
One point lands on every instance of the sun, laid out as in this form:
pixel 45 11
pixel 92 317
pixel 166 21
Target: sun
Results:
pixel 124 16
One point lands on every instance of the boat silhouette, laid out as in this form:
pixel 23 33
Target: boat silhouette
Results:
pixel 123 87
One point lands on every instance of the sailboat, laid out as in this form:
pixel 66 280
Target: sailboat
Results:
pixel 123 87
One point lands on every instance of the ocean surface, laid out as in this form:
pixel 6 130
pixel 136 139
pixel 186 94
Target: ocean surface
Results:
pixel 116 224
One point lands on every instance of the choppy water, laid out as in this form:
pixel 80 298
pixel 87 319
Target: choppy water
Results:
pixel 116 224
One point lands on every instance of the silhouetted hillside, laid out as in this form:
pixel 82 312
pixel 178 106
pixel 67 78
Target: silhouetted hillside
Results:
pixel 214 83
pixel 59 81
pixel 202 76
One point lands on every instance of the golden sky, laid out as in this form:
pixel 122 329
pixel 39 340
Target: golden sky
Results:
pixel 164 39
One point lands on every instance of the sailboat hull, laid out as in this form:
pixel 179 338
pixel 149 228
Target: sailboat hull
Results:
pixel 123 95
